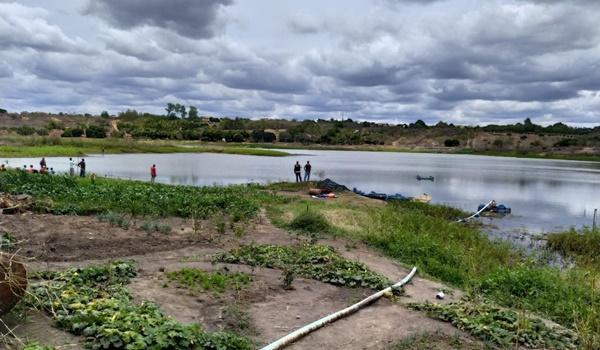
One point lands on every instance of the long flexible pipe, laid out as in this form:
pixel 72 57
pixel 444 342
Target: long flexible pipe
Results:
pixel 477 213
pixel 292 337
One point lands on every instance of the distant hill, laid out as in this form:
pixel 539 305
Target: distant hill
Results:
pixel 523 137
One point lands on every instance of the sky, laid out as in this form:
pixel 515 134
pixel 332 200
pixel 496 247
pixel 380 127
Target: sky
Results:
pixel 396 61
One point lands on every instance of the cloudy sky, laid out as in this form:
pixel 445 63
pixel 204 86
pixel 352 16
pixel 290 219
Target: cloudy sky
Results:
pixel 460 61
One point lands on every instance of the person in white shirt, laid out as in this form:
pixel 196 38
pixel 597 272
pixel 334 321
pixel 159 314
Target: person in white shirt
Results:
pixel 71 167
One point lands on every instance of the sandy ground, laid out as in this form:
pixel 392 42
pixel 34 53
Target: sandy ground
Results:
pixel 57 242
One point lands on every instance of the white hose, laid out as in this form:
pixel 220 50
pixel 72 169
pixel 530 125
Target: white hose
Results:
pixel 292 337
pixel 477 213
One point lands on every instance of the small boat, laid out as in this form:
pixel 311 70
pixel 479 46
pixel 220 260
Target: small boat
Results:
pixel 381 196
pixel 427 178
pixel 495 209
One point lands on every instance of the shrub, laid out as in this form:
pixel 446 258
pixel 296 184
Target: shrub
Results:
pixel 451 143
pixel 310 222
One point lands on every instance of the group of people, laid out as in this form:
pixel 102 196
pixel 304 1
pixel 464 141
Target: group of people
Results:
pixel 80 165
pixel 44 169
pixel 298 171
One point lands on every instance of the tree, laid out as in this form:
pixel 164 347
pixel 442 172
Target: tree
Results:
pixel 180 109
pixel 193 113
pixel 171 109
pixel 104 114
pixel 3 111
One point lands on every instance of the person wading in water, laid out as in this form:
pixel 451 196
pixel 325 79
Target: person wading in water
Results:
pixel 152 173
pixel 307 169
pixel 297 169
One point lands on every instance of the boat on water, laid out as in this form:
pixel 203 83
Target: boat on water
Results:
pixel 494 208
pixel 425 178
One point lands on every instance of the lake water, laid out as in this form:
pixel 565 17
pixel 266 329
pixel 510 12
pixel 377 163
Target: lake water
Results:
pixel 545 195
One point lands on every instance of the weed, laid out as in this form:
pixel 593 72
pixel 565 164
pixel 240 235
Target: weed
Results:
pixel 584 246
pixel 310 222
pixel 7 241
pixel 311 261
pixel 501 326
pixel 434 341
pixel 239 231
pixel 287 277
pixel 237 320
pixel 114 219
pixel 220 225
pixel 94 302
pixel 218 282
pixel 37 346
pixel 151 226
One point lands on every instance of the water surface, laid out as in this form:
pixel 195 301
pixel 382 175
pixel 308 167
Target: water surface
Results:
pixel 545 195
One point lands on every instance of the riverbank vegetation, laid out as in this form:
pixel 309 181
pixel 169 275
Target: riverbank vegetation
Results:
pixel 526 139
pixel 459 254
pixel 427 236
pixel 46 146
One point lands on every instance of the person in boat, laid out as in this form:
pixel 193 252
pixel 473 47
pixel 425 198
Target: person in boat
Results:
pixel 153 173
pixel 297 170
pixel 307 169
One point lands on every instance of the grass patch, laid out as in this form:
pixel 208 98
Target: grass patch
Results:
pixel 70 195
pixel 584 245
pixel 55 146
pixel 454 253
pixel 153 226
pixel 436 341
pixel 311 223
pixel 94 303
pixel 115 220
pixel 500 326
pixel 317 262
pixel 218 282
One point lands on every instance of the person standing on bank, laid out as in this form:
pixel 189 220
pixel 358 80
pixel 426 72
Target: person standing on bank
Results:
pixel 71 167
pixel 81 166
pixel 307 169
pixel 152 173
pixel 297 169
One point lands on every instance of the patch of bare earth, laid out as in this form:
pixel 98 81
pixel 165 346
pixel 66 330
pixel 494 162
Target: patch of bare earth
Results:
pixel 270 311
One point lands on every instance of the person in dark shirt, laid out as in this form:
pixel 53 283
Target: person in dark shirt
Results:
pixel 297 170
pixel 81 166
pixel 307 169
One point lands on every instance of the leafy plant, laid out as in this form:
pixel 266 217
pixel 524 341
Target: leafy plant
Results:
pixel 114 219
pixel 318 262
pixel 310 222
pixel 218 282
pixel 151 226
pixel 93 302
pixel 501 326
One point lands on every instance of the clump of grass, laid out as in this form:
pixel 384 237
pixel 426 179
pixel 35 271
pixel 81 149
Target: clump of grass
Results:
pixel 431 210
pixel 583 245
pixel 218 282
pixel 310 222
pixel 152 226
pixel 114 219
pixel 457 254
pixel 565 297
pixel 37 346
pixel 318 262
pixel 501 326
pixel 436 341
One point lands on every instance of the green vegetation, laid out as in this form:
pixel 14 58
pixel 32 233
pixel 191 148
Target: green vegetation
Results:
pixel 584 246
pixel 94 302
pixel 68 195
pixel 153 226
pixel 501 326
pixel 458 254
pixel 218 282
pixel 311 223
pixel 436 341
pixel 115 220
pixel 37 346
pixel 57 146
pixel 311 261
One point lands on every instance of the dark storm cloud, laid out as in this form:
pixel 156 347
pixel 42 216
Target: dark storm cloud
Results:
pixel 191 18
